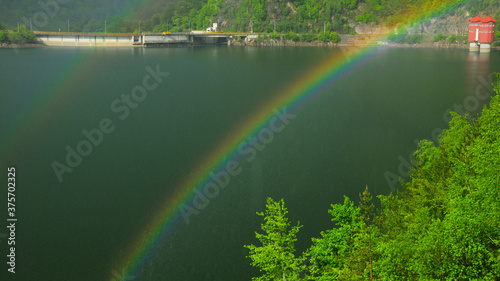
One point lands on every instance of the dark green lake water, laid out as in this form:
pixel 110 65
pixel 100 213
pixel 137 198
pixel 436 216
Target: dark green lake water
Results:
pixel 353 134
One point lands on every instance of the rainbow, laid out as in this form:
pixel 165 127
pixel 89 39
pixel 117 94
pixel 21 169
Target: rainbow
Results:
pixel 292 98
pixel 20 126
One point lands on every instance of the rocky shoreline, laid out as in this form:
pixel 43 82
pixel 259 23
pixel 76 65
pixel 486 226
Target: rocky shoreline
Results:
pixel 288 43
pixel 347 41
pixel 21 46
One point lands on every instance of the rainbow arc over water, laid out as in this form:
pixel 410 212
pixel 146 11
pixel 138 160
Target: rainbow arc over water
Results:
pixel 292 98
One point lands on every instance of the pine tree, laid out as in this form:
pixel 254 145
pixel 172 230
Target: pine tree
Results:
pixel 276 255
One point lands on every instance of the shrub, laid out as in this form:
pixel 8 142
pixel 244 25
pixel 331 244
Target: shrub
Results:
pixel 462 38
pixel 307 37
pixel 324 37
pixel 292 36
pixel 3 38
pixel 27 35
pixel 414 38
pixel 275 35
pixel 15 38
pixel 329 37
pixel 439 37
pixel 334 37
pixel 366 18
pixel 452 38
pixel 346 28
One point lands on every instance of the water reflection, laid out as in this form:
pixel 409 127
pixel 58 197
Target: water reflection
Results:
pixel 479 82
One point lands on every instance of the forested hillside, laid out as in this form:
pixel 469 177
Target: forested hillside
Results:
pixel 86 15
pixel 444 225
pixel 299 16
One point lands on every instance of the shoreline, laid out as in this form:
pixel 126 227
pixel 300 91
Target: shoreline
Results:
pixel 22 46
pixel 280 43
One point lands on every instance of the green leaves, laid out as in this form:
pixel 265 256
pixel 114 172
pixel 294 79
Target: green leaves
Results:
pixel 445 225
pixel 276 255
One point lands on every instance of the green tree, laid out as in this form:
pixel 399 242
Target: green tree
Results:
pixel 329 255
pixel 334 37
pixel 364 244
pixel 292 36
pixel 276 256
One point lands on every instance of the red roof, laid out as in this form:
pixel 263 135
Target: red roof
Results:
pixel 488 19
pixel 475 19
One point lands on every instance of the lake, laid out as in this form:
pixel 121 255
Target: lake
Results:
pixel 107 143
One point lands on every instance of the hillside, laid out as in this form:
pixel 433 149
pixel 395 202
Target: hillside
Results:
pixel 86 15
pixel 299 16
pixel 314 16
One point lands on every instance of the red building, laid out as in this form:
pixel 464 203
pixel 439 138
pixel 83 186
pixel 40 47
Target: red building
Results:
pixel 487 30
pixel 482 30
pixel 474 24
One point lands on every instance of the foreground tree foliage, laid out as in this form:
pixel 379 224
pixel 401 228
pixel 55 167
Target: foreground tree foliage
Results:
pixel 276 256
pixel 445 225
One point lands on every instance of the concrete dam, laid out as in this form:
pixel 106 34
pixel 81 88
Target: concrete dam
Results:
pixel 131 39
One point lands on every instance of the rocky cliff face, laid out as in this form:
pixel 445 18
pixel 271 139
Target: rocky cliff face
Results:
pixel 457 24
pixel 450 25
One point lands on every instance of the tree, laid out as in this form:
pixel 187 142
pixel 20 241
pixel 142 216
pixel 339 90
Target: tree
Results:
pixel 365 236
pixel 330 254
pixel 276 255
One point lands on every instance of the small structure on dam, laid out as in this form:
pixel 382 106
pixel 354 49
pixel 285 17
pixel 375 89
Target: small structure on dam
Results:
pixel 481 33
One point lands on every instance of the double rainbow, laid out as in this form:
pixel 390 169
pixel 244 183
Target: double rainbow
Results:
pixel 295 96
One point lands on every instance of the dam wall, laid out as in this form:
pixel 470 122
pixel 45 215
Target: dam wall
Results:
pixel 89 40
pixel 64 39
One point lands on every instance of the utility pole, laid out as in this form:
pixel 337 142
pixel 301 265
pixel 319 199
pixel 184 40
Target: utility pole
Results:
pixel 105 27
pixel 167 25
pixel 31 26
pixel 324 27
pixel 68 26
pixel 139 26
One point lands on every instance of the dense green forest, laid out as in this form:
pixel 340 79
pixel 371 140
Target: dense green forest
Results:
pixel 298 16
pixel 83 16
pixel 443 225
